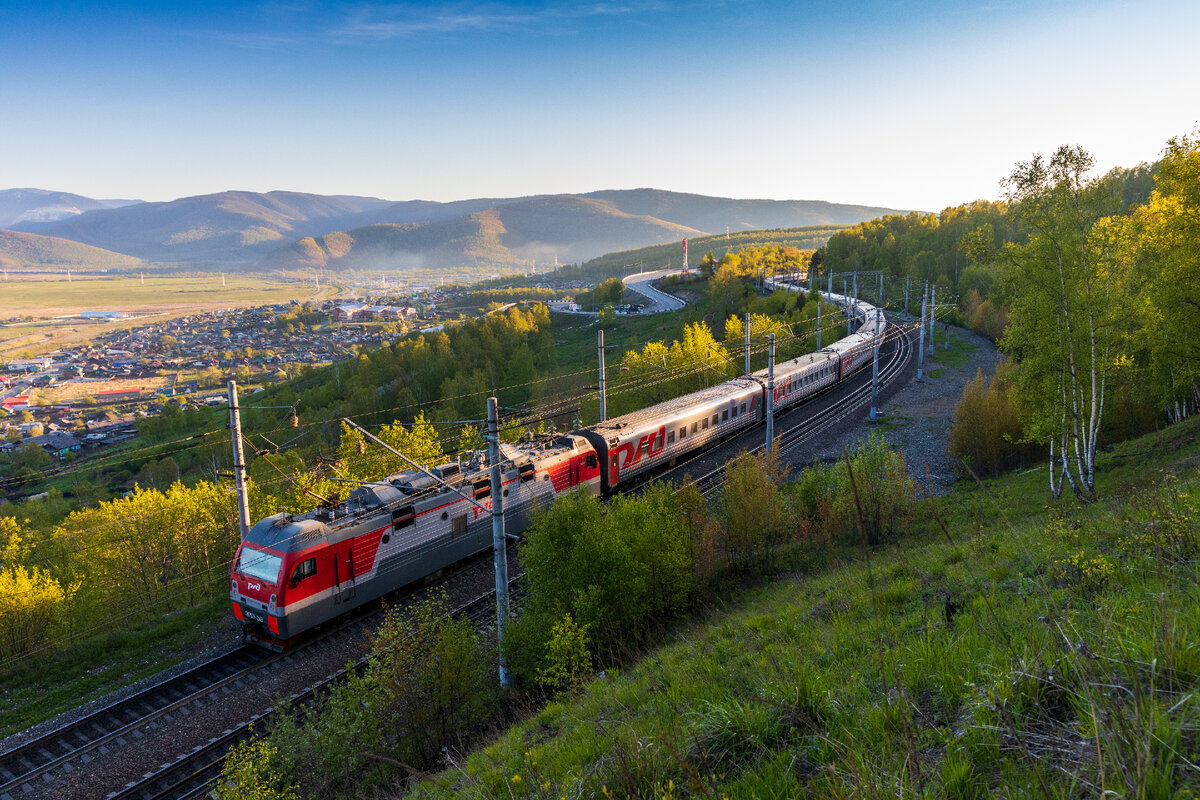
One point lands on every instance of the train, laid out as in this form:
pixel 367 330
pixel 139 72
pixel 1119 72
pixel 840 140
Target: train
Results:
pixel 293 573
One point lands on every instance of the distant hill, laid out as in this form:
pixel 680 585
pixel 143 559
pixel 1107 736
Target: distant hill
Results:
pixel 294 229
pixel 568 227
pixel 224 227
pixel 23 206
pixel 23 250
pixel 714 214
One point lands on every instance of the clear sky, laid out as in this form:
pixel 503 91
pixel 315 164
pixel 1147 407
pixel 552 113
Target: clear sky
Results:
pixel 903 104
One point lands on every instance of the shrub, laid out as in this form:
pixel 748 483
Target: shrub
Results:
pixel 568 660
pixel 249 772
pixel 756 515
pixel 987 432
pixel 885 494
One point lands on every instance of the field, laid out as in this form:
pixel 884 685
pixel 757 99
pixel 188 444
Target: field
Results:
pixel 75 391
pixel 154 298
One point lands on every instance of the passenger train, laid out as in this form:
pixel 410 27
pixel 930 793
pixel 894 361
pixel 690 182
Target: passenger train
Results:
pixel 294 572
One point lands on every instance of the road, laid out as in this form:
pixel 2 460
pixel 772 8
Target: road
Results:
pixel 661 301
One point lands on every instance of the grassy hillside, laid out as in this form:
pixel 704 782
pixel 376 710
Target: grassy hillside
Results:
pixel 25 250
pixel 1004 648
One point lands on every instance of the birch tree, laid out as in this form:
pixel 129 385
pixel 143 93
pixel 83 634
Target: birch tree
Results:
pixel 1066 316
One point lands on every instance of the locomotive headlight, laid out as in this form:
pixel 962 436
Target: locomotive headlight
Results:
pixel 271 604
pixel 233 590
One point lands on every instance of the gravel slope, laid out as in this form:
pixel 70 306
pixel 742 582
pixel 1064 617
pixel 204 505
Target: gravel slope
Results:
pixel 916 419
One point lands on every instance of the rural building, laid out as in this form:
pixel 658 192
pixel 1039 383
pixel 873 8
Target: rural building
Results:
pixel 56 444
pixel 30 364
pixel 18 402
pixel 352 313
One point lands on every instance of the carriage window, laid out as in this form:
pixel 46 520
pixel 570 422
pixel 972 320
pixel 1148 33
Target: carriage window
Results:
pixel 683 432
pixel 671 437
pixel 724 415
pixel 705 425
pixel 696 426
pixel 716 419
pixel 304 569
pixel 658 440
pixel 743 408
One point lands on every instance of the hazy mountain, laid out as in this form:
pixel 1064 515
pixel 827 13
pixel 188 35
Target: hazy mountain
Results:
pixel 229 226
pixel 713 214
pixel 18 249
pixel 297 229
pixel 25 206
pixel 512 233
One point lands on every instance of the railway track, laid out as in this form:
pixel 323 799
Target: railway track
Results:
pixel 34 765
pixel 193 775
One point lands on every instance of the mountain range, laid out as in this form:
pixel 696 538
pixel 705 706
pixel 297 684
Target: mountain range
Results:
pixel 300 230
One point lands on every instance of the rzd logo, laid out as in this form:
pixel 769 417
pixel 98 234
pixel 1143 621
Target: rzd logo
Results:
pixel 630 453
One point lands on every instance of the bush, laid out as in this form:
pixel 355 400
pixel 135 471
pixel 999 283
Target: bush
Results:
pixel 756 516
pixel 987 432
pixel 611 567
pixel 826 495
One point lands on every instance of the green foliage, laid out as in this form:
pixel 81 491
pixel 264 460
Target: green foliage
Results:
pixel 612 568
pixel 249 772
pixel 32 604
pixel 609 292
pixel 884 502
pixel 987 435
pixel 568 661
pixel 659 372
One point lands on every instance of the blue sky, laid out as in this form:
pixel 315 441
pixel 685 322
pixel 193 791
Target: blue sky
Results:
pixel 909 105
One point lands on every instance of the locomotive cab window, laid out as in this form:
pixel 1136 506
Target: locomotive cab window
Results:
pixel 303 570
pixel 592 461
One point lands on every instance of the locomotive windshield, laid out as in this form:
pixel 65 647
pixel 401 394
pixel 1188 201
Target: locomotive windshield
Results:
pixel 258 564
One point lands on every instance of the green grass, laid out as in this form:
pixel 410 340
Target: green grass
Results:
pixel 96 666
pixel 971 659
pixel 960 351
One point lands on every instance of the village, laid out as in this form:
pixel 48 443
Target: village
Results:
pixel 77 400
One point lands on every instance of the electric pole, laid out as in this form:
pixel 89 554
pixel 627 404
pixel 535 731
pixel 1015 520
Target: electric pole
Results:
pixel 600 347
pixel 499 546
pixel 875 367
pixel 770 392
pixel 921 336
pixel 239 463
pixel 747 344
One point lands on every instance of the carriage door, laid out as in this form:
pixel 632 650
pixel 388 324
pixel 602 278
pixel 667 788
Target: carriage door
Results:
pixel 343 576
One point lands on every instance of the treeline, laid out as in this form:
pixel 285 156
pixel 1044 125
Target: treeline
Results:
pixel 602 582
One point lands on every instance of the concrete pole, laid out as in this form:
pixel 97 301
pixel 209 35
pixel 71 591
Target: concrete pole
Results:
pixel 875 369
pixel 831 281
pixel 921 336
pixel 849 314
pixel 770 392
pixel 600 348
pixel 907 284
pixel 498 541
pixel 239 462
pixel 747 343
pixel 818 323
pixel 881 288
pixel 932 306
